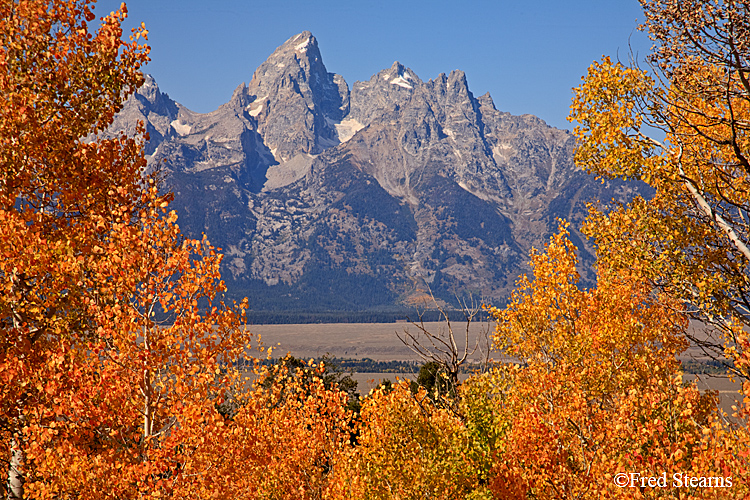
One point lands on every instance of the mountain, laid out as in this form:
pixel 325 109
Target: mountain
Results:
pixel 326 197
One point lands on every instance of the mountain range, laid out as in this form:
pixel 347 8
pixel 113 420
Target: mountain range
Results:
pixel 326 197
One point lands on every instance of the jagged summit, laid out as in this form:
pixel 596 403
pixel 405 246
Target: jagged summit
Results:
pixel 401 76
pixel 300 43
pixel 486 100
pixel 293 97
pixel 297 57
pixel 151 107
pixel 325 197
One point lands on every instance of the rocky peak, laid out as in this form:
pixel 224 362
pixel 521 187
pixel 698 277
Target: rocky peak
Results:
pixel 149 90
pixel 295 100
pixel 451 93
pixel 297 60
pixel 486 101
pixel 384 95
pixel 153 100
pixel 400 75
pixel 239 101
pixel 150 106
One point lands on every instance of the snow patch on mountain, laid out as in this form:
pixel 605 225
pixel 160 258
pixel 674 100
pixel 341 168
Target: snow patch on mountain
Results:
pixel 504 151
pixel 255 112
pixel 345 129
pixel 180 128
pixel 401 82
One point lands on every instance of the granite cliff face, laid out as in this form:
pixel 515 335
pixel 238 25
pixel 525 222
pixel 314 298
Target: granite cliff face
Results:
pixel 326 198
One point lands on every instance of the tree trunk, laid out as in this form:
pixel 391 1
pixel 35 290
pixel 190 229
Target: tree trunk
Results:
pixel 15 474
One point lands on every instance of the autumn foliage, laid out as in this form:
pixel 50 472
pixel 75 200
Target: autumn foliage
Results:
pixel 118 355
pixel 598 389
pixel 692 236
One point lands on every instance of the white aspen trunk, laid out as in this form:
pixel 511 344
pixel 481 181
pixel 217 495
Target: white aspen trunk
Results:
pixel 146 405
pixel 15 476
pixel 17 458
pixel 705 207
pixel 147 398
pixel 723 225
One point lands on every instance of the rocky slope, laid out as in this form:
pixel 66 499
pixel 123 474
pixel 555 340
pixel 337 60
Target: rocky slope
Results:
pixel 327 198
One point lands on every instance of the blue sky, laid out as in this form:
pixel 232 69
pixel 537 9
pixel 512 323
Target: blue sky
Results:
pixel 528 55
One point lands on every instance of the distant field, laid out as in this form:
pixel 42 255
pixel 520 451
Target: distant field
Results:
pixel 376 341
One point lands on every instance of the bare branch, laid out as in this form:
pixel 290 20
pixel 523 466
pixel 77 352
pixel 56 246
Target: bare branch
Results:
pixel 442 347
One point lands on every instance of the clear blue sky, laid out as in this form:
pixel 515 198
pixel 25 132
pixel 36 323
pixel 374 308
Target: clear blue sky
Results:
pixel 528 55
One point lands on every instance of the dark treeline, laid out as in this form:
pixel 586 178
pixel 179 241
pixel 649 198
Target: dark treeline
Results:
pixel 705 367
pixel 300 317
pixel 364 365
pixel 367 365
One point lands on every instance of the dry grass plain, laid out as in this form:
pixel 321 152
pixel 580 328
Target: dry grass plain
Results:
pixel 377 341
pixel 380 342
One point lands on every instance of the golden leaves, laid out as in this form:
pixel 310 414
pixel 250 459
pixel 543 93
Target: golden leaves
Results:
pixel 688 243
pixel 406 447
pixel 598 388
pixel 89 257
pixel 610 138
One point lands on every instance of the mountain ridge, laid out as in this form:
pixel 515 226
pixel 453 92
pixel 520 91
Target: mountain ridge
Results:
pixel 326 197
